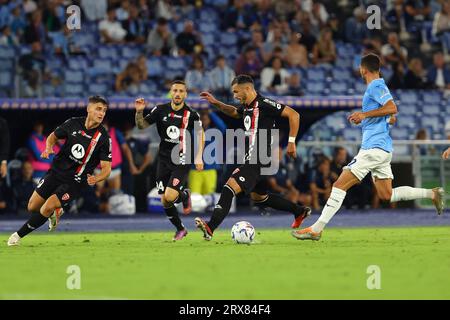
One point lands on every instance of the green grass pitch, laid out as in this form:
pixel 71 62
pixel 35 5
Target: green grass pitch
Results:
pixel 414 264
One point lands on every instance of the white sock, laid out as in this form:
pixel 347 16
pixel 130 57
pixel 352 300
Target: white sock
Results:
pixel 409 193
pixel 332 206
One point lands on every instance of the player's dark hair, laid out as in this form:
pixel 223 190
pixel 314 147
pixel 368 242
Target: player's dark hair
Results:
pixel 99 99
pixel 371 62
pixel 241 79
pixel 178 82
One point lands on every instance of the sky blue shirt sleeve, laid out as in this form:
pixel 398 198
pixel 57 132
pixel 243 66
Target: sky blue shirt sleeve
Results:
pixel 381 94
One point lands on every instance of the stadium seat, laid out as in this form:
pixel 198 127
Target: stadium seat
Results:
pixel 108 52
pixel 431 109
pixel 207 27
pixel 431 97
pixel 338 88
pixel 432 121
pixel 315 87
pixel 406 121
pixel 408 96
pixel 6 79
pixel 400 133
pixel 101 66
pixel 352 134
pixel 98 88
pixel 315 74
pixel 73 76
pixel 131 52
pixel 407 109
pixel 178 64
pixel 228 39
pixel 7 52
pixel 155 67
pixel 74 90
pixel 7 64
pixel 208 39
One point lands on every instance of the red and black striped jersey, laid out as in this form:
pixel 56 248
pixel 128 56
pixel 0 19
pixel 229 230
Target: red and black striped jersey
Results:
pixel 259 122
pixel 175 129
pixel 82 151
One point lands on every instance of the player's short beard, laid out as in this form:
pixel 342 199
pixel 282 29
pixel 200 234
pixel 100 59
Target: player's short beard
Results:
pixel 177 104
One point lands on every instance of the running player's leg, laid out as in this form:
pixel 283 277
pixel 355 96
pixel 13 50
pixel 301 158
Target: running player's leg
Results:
pixel 405 193
pixel 35 203
pixel 168 200
pixel 262 198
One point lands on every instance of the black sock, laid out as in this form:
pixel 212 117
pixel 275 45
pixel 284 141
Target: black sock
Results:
pixel 172 214
pixel 36 220
pixel 277 202
pixel 222 208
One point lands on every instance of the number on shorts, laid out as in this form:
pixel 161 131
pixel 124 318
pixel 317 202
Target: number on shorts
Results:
pixel 159 186
pixel 351 162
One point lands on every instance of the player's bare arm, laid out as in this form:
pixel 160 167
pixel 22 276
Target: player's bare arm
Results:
pixel 225 108
pixel 388 109
pixel 139 105
pixel 50 142
pixel 446 154
pixel 104 174
pixel 294 124
pixel 392 120
pixel 198 161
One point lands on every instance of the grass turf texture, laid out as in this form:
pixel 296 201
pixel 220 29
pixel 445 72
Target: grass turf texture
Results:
pixel 414 262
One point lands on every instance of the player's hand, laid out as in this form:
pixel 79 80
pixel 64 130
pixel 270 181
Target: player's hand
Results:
pixel 356 117
pixel 291 150
pixel 47 152
pixel 134 170
pixel 446 154
pixel 208 97
pixel 392 120
pixel 91 180
pixel 3 169
pixel 199 165
pixel 139 104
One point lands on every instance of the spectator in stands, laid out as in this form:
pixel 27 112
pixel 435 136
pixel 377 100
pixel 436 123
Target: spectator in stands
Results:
pixel 134 73
pixel 221 77
pixel 94 10
pixel 188 41
pixel 303 26
pixel 335 26
pixel 423 149
pixel 294 85
pixel 282 184
pixel 320 183
pixel 197 79
pixel 438 74
pixel 441 22
pixel 318 13
pixel 18 22
pixel 340 160
pixel 257 42
pixel 237 17
pixel 34 31
pixel 23 189
pixel 184 9
pixel 4 147
pixel 274 79
pixel 415 78
pixel 277 53
pixel 123 12
pixel 397 80
pixel 324 51
pixel 205 181
pixel 355 27
pixel 7 38
pixel 135 26
pixel 296 54
pixel 165 10
pixel 249 63
pixel 275 38
pixel 160 41
pixel 110 29
pixel 51 18
pixel 392 52
pixel 36 146
pixel 29 6
pixel 33 68
pixel 415 11
pixel 3 196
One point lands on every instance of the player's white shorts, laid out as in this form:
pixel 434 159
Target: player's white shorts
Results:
pixel 376 161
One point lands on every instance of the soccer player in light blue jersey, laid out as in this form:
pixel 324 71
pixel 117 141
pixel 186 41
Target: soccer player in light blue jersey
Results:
pixel 378 111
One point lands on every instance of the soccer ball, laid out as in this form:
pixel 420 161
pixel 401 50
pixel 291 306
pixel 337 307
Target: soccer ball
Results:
pixel 243 232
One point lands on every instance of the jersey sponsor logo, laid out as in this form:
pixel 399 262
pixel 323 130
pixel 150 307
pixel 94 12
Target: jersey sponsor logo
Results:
pixel 175 182
pixel 273 103
pixel 65 197
pixel 40 183
pixel 247 122
pixel 173 132
pixel 78 151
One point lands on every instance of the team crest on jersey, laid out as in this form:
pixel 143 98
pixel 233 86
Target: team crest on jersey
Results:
pixel 65 197
pixel 173 132
pixel 247 122
pixel 175 182
pixel 78 151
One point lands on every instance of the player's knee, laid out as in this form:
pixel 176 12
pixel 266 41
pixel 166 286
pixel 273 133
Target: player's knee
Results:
pixel 234 185
pixel 385 196
pixel 170 196
pixel 47 209
pixel 32 207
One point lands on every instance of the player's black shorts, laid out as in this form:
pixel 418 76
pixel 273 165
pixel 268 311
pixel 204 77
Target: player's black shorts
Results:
pixel 249 178
pixel 51 184
pixel 170 175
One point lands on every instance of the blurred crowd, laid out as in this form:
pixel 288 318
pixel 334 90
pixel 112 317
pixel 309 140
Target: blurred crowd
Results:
pixel 270 40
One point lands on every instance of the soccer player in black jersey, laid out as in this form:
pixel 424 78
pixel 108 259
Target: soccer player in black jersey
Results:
pixel 259 113
pixel 174 120
pixel 87 143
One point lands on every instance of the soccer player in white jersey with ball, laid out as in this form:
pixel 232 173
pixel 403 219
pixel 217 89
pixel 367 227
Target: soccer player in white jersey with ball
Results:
pixel 374 156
